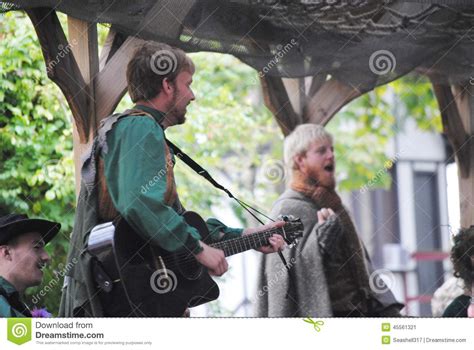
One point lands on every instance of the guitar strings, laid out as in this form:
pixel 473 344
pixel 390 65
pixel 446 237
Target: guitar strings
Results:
pixel 185 259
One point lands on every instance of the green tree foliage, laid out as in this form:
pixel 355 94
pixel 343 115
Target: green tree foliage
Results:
pixel 230 132
pixel 36 166
pixel 363 129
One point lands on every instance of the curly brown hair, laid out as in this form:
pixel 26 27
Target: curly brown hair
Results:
pixel 462 256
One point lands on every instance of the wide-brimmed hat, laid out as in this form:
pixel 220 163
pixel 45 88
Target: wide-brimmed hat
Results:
pixel 14 225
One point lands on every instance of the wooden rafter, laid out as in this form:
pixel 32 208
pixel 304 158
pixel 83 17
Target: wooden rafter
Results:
pixel 111 82
pixel 277 101
pixel 112 43
pixel 61 65
pixel 327 100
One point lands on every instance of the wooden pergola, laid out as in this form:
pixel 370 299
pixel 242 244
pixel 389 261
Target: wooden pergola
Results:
pixel 93 82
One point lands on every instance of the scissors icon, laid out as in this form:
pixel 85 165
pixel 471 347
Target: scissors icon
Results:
pixel 316 324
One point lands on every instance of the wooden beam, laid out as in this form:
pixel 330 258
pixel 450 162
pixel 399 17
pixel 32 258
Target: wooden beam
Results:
pixel 453 126
pixel 328 100
pixel 277 101
pixel 456 104
pixel 317 82
pixel 463 96
pixel 61 65
pixel 84 34
pixel 111 82
pixel 112 43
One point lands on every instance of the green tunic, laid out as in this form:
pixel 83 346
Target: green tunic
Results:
pixel 9 296
pixel 135 171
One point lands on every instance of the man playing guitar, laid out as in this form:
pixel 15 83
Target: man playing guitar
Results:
pixel 129 173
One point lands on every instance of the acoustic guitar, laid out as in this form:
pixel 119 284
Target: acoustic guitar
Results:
pixel 137 278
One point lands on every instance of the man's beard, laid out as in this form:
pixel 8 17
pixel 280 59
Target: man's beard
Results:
pixel 177 115
pixel 321 179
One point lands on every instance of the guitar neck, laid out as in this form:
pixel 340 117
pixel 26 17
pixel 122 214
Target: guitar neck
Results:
pixel 247 242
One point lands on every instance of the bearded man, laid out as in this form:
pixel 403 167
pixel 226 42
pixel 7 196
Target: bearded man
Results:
pixel 329 271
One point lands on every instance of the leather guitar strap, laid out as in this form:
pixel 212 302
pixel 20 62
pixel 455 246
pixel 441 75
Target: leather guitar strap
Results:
pixel 205 174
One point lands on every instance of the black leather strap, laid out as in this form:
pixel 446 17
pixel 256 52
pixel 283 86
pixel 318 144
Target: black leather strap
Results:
pixel 290 294
pixel 205 174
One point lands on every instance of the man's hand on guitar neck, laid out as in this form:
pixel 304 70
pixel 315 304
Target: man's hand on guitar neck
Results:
pixel 276 241
pixel 213 259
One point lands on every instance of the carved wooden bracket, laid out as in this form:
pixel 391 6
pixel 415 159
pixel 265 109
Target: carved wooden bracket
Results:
pixel 61 65
pixel 111 82
pixel 277 101
pixel 326 99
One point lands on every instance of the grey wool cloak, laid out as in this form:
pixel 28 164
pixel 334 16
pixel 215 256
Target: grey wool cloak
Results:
pixel 309 297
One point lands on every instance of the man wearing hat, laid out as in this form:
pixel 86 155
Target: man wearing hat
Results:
pixel 22 258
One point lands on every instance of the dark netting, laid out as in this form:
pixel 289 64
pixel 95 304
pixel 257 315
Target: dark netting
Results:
pixel 361 42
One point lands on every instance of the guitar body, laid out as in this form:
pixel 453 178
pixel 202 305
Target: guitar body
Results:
pixel 147 281
pixel 139 279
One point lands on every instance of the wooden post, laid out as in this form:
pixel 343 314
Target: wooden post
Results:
pixel 465 102
pixel 85 49
pixel 456 104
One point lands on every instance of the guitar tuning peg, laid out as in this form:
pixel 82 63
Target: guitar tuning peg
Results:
pixel 286 218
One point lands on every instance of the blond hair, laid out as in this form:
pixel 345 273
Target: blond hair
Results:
pixel 299 141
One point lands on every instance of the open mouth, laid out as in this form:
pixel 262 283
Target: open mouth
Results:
pixel 329 168
pixel 41 266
